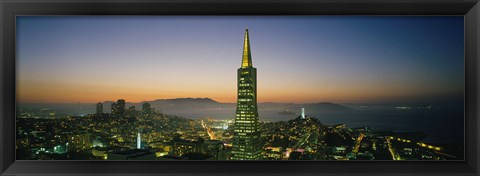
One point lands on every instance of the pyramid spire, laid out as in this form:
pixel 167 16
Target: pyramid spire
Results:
pixel 247 56
pixel 246 141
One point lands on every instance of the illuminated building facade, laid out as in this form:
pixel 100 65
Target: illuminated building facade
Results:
pixel 99 108
pixel 79 142
pixel 246 144
pixel 114 108
pixel 182 147
pixel 118 109
pixel 146 109
pixel 132 112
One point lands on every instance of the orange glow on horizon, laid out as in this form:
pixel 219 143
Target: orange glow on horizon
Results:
pixel 55 92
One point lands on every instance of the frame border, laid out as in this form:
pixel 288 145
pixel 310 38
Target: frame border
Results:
pixel 11 8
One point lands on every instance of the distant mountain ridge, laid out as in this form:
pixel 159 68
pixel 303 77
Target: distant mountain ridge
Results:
pixel 204 100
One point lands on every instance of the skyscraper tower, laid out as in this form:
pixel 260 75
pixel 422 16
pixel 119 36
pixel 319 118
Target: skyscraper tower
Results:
pixel 246 138
pixel 114 109
pixel 121 107
pixel 146 110
pixel 118 108
pixel 99 108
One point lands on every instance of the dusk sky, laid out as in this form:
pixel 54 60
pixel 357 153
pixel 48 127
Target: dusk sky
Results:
pixel 299 59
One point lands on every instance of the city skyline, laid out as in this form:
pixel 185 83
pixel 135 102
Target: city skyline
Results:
pixel 110 59
pixel 201 129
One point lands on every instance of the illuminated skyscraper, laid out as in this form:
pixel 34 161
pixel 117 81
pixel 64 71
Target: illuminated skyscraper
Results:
pixel 118 109
pixel 146 109
pixel 99 108
pixel 246 139
pixel 132 112
pixel 114 109
pixel 121 107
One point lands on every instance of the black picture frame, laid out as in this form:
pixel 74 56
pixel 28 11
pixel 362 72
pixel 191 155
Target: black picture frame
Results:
pixel 11 8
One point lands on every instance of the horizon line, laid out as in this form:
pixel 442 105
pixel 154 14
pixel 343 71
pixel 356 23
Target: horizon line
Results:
pixel 136 102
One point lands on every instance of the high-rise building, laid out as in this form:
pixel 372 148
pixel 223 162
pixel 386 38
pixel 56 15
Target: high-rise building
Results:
pixel 118 108
pixel 114 109
pixel 99 108
pixel 132 112
pixel 121 107
pixel 246 144
pixel 146 109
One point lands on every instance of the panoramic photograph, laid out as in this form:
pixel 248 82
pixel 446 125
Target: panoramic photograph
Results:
pixel 172 88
